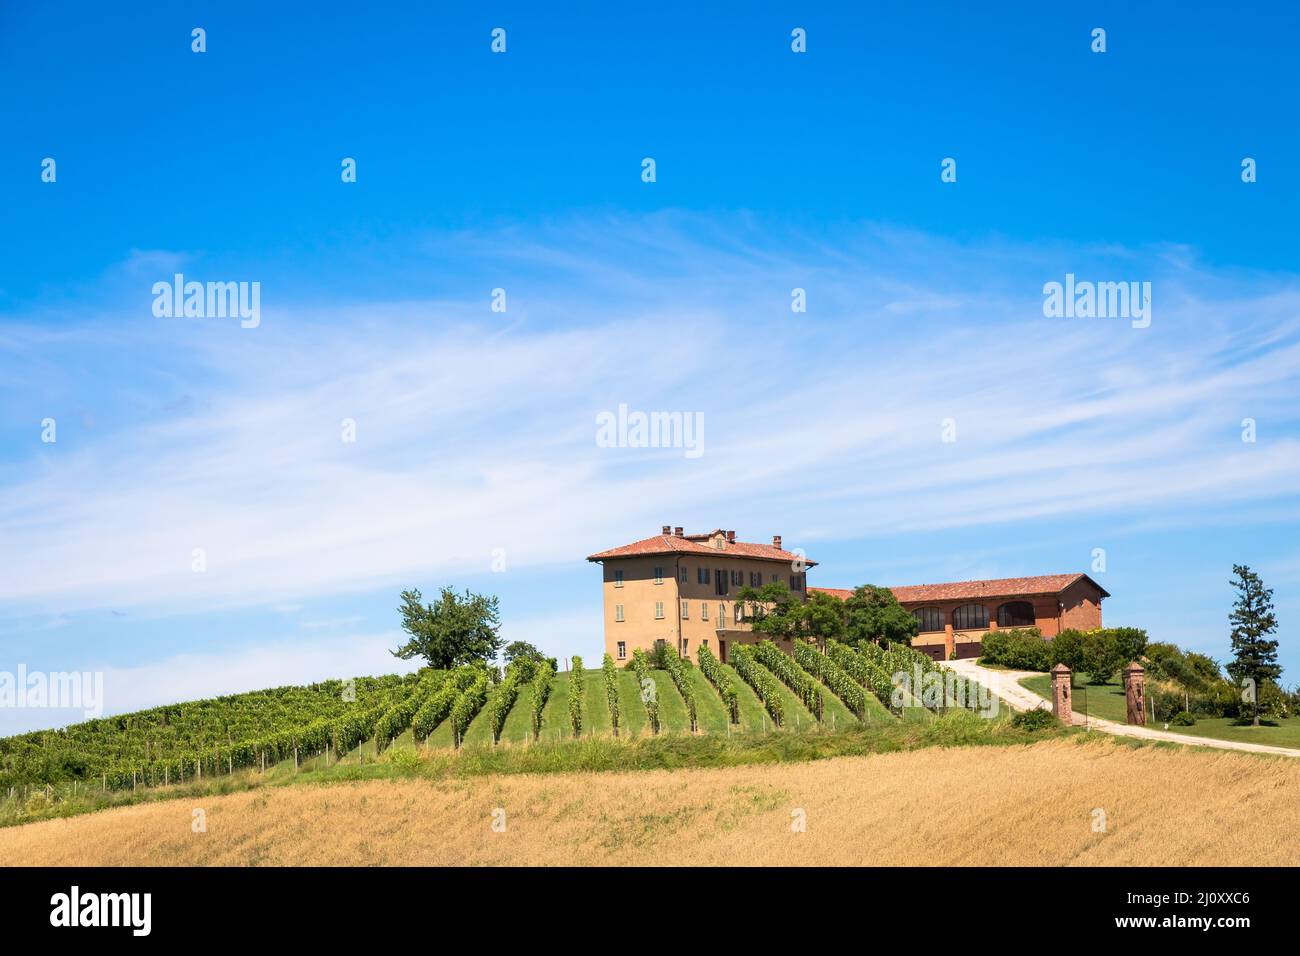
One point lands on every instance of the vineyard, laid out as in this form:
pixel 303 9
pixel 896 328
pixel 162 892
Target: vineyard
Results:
pixel 289 728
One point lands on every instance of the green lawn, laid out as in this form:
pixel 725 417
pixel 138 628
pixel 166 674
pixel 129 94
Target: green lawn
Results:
pixel 709 710
pixel 1107 702
pixel 632 718
pixel 1098 700
pixel 672 709
pixel 751 708
pixel 797 716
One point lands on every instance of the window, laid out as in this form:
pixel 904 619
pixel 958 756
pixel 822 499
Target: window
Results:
pixel 704 610
pixel 684 643
pixel 702 576
pixel 775 578
pixel 1016 614
pixel 618 612
pixel 722 614
pixel 659 610
pixel 683 575
pixel 720 581
pixel 618 579
pixel 739 612
pixel 738 577
pixel 755 579
pixel 705 643
pixel 622 650
pixel 931 618
pixel 659 575
pixel 796 582
pixel 970 616
pixel 686 610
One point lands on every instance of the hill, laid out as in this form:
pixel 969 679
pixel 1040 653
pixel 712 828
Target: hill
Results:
pixel 346 723
pixel 1014 805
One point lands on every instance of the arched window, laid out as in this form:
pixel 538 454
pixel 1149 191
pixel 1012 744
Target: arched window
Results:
pixel 970 616
pixel 931 618
pixel 1016 614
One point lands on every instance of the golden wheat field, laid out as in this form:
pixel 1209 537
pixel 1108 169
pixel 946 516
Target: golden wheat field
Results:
pixel 982 806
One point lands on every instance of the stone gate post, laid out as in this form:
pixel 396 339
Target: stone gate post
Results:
pixel 1135 693
pixel 1061 705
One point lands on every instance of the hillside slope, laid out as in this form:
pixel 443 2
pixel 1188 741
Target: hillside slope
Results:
pixel 977 806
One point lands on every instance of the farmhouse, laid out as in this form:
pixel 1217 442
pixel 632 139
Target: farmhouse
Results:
pixel 681 588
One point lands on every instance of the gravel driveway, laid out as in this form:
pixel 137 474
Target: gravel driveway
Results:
pixel 1006 684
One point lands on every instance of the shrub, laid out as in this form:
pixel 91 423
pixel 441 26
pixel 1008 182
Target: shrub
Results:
pixel 677 670
pixel 539 691
pixel 711 668
pixel 1067 648
pixel 577 684
pixel 1274 702
pixel 833 676
pixel 1183 719
pixel 438 705
pixel 649 689
pixel 397 718
pixel 503 700
pixel 761 679
pixel 611 690
pixel 657 656
pixel 467 706
pixel 1037 719
pixel 1021 648
pixel 792 675
pixel 866 666
pixel 405 762
pixel 1103 656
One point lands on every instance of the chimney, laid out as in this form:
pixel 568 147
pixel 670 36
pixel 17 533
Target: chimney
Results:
pixel 731 537
pixel 677 532
pixel 776 541
pixel 668 529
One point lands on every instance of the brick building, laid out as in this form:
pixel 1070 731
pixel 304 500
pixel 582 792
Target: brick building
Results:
pixel 955 616
pixel 680 588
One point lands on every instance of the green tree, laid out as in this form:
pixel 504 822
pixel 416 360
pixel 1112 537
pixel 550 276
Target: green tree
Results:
pixel 822 618
pixel 452 631
pixel 873 614
pixel 1130 643
pixel 522 651
pixel 523 657
pixel 772 609
pixel 1067 649
pixel 1254 653
pixel 1103 656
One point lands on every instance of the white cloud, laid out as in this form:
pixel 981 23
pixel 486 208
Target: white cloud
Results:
pixel 476 431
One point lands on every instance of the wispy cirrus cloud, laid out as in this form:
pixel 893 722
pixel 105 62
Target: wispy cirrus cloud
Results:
pixel 475 430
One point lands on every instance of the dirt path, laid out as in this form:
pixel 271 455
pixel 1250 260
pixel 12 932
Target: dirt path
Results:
pixel 1006 684
pixel 1060 802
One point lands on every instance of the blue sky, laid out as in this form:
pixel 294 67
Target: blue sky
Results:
pixel 521 171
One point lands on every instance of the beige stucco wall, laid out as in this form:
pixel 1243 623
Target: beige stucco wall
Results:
pixel 639 593
pixel 1078 606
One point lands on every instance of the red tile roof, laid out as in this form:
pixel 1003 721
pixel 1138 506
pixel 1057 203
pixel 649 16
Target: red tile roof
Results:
pixel 841 593
pixel 976 590
pixel 697 544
